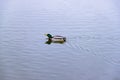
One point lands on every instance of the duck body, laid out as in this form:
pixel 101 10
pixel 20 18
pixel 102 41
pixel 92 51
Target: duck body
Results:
pixel 56 38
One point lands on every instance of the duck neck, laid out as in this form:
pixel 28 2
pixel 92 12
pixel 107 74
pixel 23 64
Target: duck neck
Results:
pixel 49 39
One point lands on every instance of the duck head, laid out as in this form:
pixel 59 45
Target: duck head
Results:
pixel 49 36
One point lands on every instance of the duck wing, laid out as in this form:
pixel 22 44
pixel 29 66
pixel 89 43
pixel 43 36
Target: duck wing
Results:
pixel 57 36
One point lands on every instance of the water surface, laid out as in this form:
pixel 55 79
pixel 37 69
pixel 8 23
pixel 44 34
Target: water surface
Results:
pixel 91 51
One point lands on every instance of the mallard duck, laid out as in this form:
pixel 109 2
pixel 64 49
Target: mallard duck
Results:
pixel 56 38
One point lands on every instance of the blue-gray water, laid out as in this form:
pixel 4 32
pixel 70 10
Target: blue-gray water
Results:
pixel 92 49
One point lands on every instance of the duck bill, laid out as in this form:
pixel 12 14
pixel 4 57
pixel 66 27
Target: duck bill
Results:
pixel 45 34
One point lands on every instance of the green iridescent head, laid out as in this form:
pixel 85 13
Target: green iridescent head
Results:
pixel 49 35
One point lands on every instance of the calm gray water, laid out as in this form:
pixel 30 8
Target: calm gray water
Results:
pixel 92 49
